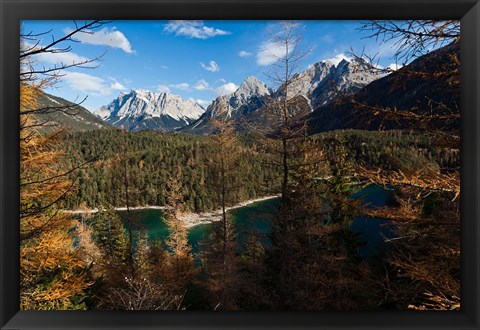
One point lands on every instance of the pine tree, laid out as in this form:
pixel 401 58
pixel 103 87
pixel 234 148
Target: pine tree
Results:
pixel 109 233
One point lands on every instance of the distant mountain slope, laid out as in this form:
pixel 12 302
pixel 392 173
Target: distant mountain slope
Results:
pixel 74 117
pixel 319 84
pixel 347 77
pixel 147 110
pixel 418 88
pixel 250 96
pixel 324 81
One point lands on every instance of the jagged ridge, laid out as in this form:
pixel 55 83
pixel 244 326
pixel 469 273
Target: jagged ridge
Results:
pixel 143 109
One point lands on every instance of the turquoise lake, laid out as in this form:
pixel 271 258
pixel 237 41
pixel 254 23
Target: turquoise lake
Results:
pixel 257 216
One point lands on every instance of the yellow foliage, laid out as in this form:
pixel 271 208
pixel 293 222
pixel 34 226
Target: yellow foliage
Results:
pixel 52 269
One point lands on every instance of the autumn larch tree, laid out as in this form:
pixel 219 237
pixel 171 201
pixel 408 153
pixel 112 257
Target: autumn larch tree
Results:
pixel 222 256
pixel 425 261
pixel 54 273
pixel 284 113
pixel 180 252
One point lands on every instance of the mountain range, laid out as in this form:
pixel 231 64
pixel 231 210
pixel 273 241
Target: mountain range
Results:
pixel 318 85
pixel 250 96
pixel 333 96
pixel 147 110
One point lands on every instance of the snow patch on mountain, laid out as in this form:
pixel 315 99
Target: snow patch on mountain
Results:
pixel 169 111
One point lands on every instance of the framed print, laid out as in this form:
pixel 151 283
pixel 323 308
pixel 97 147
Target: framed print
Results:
pixel 239 164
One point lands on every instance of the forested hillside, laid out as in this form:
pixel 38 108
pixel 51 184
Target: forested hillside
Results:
pixel 152 157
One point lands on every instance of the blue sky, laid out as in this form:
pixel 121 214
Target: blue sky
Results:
pixel 193 59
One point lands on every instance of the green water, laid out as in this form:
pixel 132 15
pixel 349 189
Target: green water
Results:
pixel 251 218
pixel 255 218
pixel 148 219
pixel 152 221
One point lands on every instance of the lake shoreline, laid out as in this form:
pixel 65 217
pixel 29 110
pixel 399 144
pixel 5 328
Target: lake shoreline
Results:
pixel 194 219
pixel 189 219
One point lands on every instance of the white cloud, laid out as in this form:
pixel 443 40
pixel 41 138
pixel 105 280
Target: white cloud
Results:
pixel 88 84
pixel 201 85
pixel 181 86
pixel 193 29
pixel 66 58
pixel 164 67
pixel 270 52
pixel 203 103
pixel 227 88
pixel 55 55
pixel 244 53
pixel 104 37
pixel 117 86
pixel 212 66
pixel 338 58
pixel 163 89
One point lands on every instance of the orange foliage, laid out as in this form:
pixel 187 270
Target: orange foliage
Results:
pixel 52 270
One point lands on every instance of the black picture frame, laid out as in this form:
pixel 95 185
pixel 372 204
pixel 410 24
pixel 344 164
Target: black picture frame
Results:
pixel 12 11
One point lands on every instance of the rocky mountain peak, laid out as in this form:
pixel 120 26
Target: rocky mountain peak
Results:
pixel 305 82
pixel 252 86
pixel 348 76
pixel 129 110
